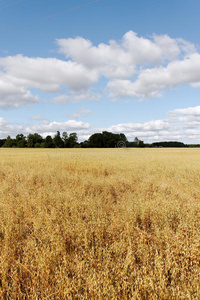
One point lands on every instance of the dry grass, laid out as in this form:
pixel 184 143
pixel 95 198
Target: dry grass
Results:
pixel 100 224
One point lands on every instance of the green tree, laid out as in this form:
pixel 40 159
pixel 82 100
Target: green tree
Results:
pixel 123 137
pixel 2 142
pixel 65 139
pixel 108 139
pixel 111 140
pixel 38 145
pixel 33 139
pixel 72 140
pixel 141 144
pixel 48 142
pixel 21 141
pixel 58 142
pixel 8 143
pixel 96 140
pixel 85 144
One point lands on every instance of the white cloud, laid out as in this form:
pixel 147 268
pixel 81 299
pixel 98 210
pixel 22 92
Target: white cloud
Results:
pixel 7 128
pixel 110 60
pixel 3 121
pixel 113 60
pixel 44 128
pixel 154 125
pixel 120 88
pixel 151 82
pixel 190 116
pixel 169 47
pixel 136 67
pixel 195 84
pixel 76 97
pixel 119 59
pixel 152 131
pixel 186 47
pixel 48 74
pixel 193 132
pixel 192 111
pixel 172 49
pixel 69 125
pixel 13 95
pixel 175 127
pixel 19 74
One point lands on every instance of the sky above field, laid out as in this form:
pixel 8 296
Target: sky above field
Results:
pixel 123 66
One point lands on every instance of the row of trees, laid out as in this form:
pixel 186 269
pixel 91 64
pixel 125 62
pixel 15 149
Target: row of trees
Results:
pixel 97 140
pixel 37 141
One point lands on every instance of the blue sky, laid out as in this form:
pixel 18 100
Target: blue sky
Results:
pixel 121 66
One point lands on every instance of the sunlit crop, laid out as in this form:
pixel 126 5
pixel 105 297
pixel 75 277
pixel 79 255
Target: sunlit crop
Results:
pixel 100 223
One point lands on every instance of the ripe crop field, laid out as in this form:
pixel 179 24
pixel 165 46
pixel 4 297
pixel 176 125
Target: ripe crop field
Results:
pixel 100 223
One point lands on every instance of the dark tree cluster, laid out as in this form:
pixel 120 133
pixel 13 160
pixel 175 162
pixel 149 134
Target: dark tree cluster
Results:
pixel 97 140
pixel 168 144
pixel 37 141
pixel 105 140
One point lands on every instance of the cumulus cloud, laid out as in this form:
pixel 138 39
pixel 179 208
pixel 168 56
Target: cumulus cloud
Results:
pixel 7 128
pixel 19 74
pixel 186 47
pixel 191 111
pixel 13 95
pixel 152 131
pixel 180 124
pixel 169 47
pixel 158 63
pixel 46 126
pixel 131 51
pixel 113 60
pixel 145 126
pixel 47 74
pixel 189 117
pixel 151 82
pixel 3 121
pixel 134 67
pixel 110 60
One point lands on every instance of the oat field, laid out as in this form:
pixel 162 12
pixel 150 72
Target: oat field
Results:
pixel 100 223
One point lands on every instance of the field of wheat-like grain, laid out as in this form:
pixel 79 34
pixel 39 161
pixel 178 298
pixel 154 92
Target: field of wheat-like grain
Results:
pixel 99 224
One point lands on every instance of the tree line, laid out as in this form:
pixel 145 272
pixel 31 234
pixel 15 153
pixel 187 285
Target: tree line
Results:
pixel 35 140
pixel 97 140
